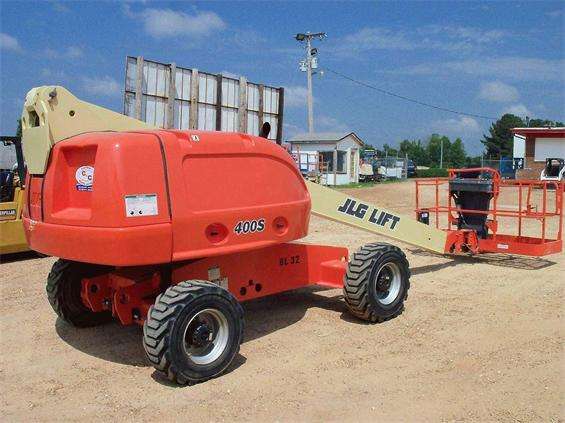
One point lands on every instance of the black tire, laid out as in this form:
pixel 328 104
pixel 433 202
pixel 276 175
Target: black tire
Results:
pixel 369 292
pixel 176 317
pixel 63 292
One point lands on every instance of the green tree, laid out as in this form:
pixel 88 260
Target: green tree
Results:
pixel 456 154
pixel 500 140
pixel 473 161
pixel 405 147
pixel 416 151
pixel 19 130
pixel 539 123
pixel 434 148
pixel 390 151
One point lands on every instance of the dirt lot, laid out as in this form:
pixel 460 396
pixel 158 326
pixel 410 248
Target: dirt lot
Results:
pixel 480 340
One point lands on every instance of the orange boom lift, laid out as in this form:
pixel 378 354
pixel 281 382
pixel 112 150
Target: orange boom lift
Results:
pixel 148 233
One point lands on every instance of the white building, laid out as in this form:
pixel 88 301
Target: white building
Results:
pixel 339 151
pixel 532 146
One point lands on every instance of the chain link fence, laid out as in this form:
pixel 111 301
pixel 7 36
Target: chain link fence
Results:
pixel 505 166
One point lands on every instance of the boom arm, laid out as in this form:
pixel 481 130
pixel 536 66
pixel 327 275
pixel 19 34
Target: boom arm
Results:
pixel 337 206
pixel 52 114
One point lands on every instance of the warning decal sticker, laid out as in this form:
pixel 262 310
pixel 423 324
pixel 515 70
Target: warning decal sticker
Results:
pixel 141 205
pixel 84 177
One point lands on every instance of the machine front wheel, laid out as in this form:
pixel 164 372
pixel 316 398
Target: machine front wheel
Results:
pixel 193 331
pixel 377 282
pixel 63 292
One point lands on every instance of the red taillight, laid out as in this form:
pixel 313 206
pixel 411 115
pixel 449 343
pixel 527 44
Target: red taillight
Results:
pixel 34 197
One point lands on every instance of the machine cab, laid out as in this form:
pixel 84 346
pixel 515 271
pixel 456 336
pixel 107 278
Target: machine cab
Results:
pixel 553 170
pixel 12 193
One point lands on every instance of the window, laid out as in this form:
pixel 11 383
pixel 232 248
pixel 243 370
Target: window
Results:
pixel 549 148
pixel 328 157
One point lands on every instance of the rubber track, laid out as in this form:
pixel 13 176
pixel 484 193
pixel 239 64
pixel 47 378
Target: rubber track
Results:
pixel 357 279
pixel 162 316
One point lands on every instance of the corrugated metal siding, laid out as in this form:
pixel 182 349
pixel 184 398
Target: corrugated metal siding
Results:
pixel 155 98
pixel 230 104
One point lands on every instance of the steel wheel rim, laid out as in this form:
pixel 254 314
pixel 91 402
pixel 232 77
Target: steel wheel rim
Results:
pixel 198 347
pixel 388 281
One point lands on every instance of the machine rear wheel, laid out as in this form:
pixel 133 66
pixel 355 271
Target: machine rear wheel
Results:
pixel 63 292
pixel 193 331
pixel 377 282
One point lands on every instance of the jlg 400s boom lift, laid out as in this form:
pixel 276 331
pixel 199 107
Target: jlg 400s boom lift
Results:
pixel 147 232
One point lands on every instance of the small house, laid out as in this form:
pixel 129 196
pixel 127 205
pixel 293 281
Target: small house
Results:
pixel 532 146
pixel 335 156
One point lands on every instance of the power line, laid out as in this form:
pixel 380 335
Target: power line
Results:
pixel 412 100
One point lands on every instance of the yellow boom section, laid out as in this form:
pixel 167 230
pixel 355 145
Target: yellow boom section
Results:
pixel 52 114
pixel 340 207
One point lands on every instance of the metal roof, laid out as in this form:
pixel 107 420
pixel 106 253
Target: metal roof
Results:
pixel 323 137
pixel 549 132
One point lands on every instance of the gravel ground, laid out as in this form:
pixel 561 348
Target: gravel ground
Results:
pixel 481 339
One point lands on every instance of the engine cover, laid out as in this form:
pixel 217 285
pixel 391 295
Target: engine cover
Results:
pixel 148 197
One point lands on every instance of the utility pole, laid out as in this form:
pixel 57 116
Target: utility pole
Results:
pixel 441 154
pixel 309 79
pixel 308 65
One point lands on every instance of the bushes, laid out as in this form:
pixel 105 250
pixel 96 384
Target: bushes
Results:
pixel 433 172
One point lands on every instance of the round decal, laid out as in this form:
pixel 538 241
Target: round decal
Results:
pixel 84 176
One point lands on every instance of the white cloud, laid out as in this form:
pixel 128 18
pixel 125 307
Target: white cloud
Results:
pixel 325 123
pixel 51 74
pixel 60 7
pixel 290 130
pixel 555 13
pixel 461 127
pixel 516 68
pixel 497 91
pixel 72 52
pixel 7 42
pixel 102 86
pixel 465 127
pixel 245 39
pixel 161 23
pixel 295 96
pixel 541 107
pixel 322 124
pixel 430 37
pixel 518 110
pixel 377 39
pixel 466 33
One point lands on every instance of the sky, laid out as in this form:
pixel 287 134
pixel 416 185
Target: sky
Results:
pixel 484 58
